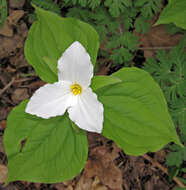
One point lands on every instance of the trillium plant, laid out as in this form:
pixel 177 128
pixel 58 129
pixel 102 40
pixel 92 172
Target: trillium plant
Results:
pixel 71 92
pixel 45 139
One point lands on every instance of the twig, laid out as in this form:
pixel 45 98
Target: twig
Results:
pixel 7 86
pixel 162 169
pixel 24 79
pixel 155 48
pixel 12 82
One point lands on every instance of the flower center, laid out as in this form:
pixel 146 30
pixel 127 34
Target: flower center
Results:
pixel 76 89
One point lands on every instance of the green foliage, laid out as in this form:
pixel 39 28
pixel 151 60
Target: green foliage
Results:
pixel 179 188
pixel 106 25
pixel 53 151
pixel 175 160
pixel 173 29
pixel 141 25
pixel 101 81
pixel 58 33
pixel 172 171
pixel 44 4
pixel 83 3
pixel 122 47
pixel 100 19
pixel 117 6
pixel 169 70
pixel 174 12
pixel 3 12
pixel 147 10
pixel 135 109
pixel 47 5
pixel 176 157
pixel 115 20
pixel 94 4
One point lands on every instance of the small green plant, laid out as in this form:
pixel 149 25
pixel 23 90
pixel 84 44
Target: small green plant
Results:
pixel 3 12
pixel 173 29
pixel 170 72
pixel 115 21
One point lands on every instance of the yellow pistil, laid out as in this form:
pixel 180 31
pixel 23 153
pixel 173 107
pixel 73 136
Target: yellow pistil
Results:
pixel 76 89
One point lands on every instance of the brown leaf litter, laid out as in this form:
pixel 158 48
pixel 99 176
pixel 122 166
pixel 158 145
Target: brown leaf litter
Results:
pixel 157 38
pixel 11 41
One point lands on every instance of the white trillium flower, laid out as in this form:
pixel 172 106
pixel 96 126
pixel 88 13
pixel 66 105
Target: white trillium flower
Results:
pixel 71 92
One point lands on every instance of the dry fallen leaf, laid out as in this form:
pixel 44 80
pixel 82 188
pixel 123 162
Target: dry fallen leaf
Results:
pixel 101 164
pixel 16 3
pixel 19 95
pixel 160 156
pixel 84 183
pixel 14 17
pixel 96 185
pixel 11 20
pixel 157 38
pixel 10 45
pixel 6 30
pixel 19 60
pixel 103 69
pixel 3 173
pixel 3 124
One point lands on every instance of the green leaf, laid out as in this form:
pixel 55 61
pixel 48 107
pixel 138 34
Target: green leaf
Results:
pixel 51 35
pixel 116 6
pixel 102 81
pixel 174 159
pixel 182 180
pixel 139 3
pixel 3 12
pixel 83 3
pixel 173 29
pixel 174 12
pixel 94 3
pixel 147 7
pixel 126 19
pixel 183 170
pixel 141 25
pixel 47 5
pixel 179 188
pixel 172 171
pixel 121 55
pixel 51 64
pixel 170 72
pixel 135 113
pixel 129 40
pixel 53 151
pixel 150 8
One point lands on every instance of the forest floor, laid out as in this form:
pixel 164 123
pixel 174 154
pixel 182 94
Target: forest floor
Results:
pixel 107 167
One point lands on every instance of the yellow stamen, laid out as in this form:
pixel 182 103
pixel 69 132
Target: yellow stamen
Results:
pixel 76 89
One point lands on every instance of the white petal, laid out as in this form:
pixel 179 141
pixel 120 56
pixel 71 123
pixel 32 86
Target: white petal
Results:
pixel 88 112
pixel 51 100
pixel 75 65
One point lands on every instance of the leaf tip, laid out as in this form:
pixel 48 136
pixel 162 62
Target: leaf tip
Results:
pixel 157 23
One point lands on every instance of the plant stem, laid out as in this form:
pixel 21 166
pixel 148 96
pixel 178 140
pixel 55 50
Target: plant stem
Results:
pixel 154 163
